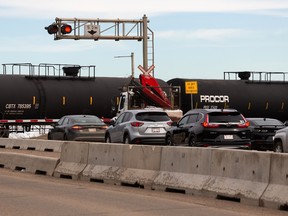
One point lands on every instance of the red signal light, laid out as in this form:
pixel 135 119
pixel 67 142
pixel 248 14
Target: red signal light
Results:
pixel 66 29
pixel 52 29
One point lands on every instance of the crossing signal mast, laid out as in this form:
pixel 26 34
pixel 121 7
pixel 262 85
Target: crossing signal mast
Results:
pixel 107 29
pixel 147 91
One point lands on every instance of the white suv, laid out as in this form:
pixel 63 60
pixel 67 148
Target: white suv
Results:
pixel 281 140
pixel 139 126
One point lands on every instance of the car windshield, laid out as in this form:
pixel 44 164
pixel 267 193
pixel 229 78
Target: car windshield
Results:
pixel 152 116
pixel 90 119
pixel 267 122
pixel 225 117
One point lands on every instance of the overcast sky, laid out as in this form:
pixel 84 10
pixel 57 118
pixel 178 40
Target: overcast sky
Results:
pixel 193 38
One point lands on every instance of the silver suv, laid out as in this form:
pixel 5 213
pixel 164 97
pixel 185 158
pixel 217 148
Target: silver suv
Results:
pixel 281 140
pixel 139 126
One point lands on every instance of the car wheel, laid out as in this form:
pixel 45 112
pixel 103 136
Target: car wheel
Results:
pixel 65 137
pixel 126 139
pixel 278 147
pixel 107 138
pixel 254 147
pixel 169 140
pixel 49 136
pixel 192 141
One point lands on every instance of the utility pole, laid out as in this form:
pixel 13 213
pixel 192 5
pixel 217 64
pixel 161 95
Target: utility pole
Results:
pixel 132 62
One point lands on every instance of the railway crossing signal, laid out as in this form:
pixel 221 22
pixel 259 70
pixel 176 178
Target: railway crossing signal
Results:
pixel 54 28
pixel 146 72
pixel 66 29
pixel 111 29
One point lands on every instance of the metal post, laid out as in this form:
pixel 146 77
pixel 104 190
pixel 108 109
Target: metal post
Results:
pixel 145 42
pixel 132 64
pixel 192 101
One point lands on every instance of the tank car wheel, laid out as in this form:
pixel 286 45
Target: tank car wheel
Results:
pixel 107 138
pixel 169 140
pixel 126 139
pixel 192 141
pixel 2 134
pixel 278 147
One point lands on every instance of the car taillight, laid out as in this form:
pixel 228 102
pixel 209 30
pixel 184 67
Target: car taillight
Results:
pixel 169 123
pixel 206 123
pixel 245 124
pixel 136 124
pixel 104 127
pixel 76 127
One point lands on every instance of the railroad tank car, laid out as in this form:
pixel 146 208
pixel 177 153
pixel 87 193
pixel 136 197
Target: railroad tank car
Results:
pixel 51 97
pixel 23 98
pixel 253 98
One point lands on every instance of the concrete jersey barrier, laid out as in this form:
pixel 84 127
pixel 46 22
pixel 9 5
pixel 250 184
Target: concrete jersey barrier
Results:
pixel 237 174
pixel 183 169
pixel 73 160
pixel 31 144
pixel 122 164
pixel 276 194
pixel 28 163
pixel 103 163
pixel 250 177
pixel 233 174
pixel 141 165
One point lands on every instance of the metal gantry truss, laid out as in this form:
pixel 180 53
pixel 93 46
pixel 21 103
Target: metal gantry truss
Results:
pixel 111 29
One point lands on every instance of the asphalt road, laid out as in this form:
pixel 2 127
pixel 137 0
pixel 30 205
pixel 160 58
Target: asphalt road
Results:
pixel 28 194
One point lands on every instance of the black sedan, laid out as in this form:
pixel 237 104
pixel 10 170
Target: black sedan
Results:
pixel 78 128
pixel 262 132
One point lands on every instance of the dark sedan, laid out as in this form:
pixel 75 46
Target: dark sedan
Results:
pixel 78 128
pixel 262 132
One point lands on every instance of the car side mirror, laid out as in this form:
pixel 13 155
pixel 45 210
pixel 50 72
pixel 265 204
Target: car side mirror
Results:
pixel 112 122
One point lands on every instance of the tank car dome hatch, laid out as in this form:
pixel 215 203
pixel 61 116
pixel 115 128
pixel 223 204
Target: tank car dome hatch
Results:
pixel 245 75
pixel 71 71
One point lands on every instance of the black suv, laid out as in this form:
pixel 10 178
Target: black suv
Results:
pixel 211 127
